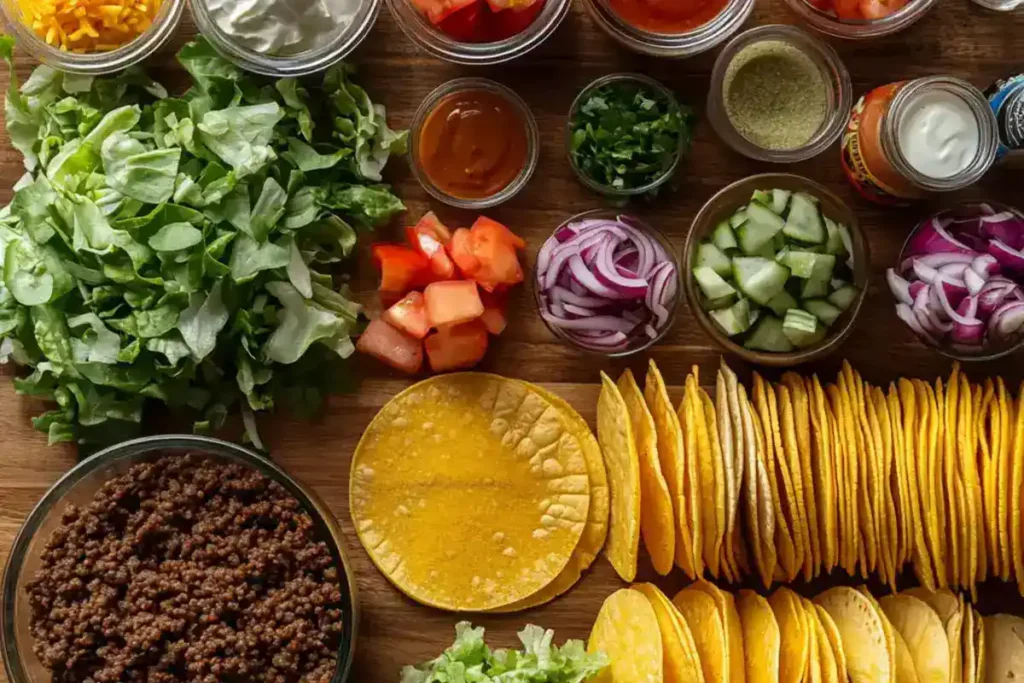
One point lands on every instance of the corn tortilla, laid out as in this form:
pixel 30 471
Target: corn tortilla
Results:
pixel 615 434
pixel 627 631
pixel 679 652
pixel 761 637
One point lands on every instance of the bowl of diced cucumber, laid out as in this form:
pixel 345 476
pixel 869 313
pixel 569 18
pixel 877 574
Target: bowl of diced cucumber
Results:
pixel 778 269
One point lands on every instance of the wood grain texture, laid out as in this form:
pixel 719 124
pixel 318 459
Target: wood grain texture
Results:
pixel 956 37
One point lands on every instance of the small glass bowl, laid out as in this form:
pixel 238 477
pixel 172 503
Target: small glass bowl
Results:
pixel 833 71
pixel 858 29
pixel 640 341
pixel 946 348
pixel 532 142
pixel 720 207
pixel 606 190
pixel 428 37
pixel 700 39
pixel 288 66
pixel 80 484
pixel 164 26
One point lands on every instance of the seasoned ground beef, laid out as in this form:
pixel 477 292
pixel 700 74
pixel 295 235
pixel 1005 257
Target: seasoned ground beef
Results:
pixel 187 569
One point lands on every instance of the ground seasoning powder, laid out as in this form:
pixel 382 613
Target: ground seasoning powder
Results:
pixel 775 95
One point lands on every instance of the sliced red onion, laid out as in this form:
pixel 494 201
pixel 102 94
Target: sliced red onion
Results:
pixel 900 287
pixel 609 275
pixel 558 259
pixel 566 296
pixel 968 308
pixel 938 260
pixel 972 331
pixel 975 283
pixel 1005 227
pixel 907 315
pixel 933 238
pixel 991 299
pixel 1007 256
pixel 603 323
pixel 578 311
pixel 948 307
pixel 953 270
pixel 915 287
pixel 985 265
pixel 954 289
pixel 925 272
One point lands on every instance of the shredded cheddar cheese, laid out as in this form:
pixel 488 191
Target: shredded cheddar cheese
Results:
pixel 88 25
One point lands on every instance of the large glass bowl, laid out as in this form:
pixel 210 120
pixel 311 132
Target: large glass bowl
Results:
pixel 79 486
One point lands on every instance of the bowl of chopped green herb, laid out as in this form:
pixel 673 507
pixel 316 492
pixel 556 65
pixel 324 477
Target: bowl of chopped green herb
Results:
pixel 626 135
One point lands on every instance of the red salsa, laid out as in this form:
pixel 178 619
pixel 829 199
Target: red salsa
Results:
pixel 480 21
pixel 667 16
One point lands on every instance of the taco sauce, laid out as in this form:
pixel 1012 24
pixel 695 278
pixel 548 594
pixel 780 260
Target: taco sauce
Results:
pixel 667 16
pixel 473 144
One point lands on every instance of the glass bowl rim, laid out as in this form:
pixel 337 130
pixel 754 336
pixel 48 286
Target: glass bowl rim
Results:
pixel 861 29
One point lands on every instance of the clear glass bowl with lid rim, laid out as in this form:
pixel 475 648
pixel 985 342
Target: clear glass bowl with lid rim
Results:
pixel 695 41
pixel 79 485
pixel 859 29
pixel 347 38
pixel 833 71
pixel 532 142
pixel 164 26
pixel 608 190
pixel 430 38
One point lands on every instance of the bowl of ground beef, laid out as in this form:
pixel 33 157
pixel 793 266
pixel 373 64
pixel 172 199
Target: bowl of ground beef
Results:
pixel 178 558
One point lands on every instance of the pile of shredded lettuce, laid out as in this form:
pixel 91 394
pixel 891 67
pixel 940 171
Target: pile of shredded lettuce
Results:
pixel 469 660
pixel 181 249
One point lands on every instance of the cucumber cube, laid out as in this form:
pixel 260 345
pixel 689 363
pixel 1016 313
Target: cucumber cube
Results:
pixel 723 237
pixel 780 200
pixel 843 297
pixel 822 310
pixel 802 328
pixel 710 256
pixel 759 278
pixel 808 265
pixel 738 218
pixel 769 335
pixel 735 319
pixel 711 283
pixel 760 228
pixel 804 223
pixel 782 302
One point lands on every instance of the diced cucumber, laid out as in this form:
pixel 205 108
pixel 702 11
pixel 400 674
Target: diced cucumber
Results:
pixel 711 283
pixel 779 241
pixel 735 319
pixel 808 265
pixel 759 278
pixel 723 237
pixel 755 315
pixel 843 297
pixel 802 328
pixel 838 283
pixel 760 227
pixel 710 256
pixel 782 302
pixel 844 235
pixel 814 288
pixel 721 302
pixel 803 223
pixel 762 197
pixel 822 310
pixel 767 251
pixel 782 254
pixel 769 336
pixel 780 200
pixel 738 218
pixel 833 241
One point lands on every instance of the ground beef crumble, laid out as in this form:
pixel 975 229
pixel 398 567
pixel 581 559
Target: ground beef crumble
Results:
pixel 187 569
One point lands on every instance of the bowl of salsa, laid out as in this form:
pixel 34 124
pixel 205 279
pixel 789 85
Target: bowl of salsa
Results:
pixel 860 19
pixel 474 143
pixel 478 32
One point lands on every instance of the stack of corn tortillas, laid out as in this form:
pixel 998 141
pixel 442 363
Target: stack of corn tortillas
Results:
pixel 472 492
pixel 705 635
pixel 796 479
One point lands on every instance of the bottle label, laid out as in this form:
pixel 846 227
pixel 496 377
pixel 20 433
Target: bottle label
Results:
pixel 1006 97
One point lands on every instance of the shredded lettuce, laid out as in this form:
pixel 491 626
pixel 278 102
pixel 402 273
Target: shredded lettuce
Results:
pixel 184 249
pixel 469 660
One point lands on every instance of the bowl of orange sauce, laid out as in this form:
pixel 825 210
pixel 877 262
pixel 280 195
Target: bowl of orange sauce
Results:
pixel 474 143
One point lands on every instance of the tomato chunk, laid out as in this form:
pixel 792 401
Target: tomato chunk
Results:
pixel 512 22
pixel 848 9
pixel 457 347
pixel 401 268
pixel 498 6
pixel 876 9
pixel 452 302
pixel 468 25
pixel 499 263
pixel 494 317
pixel 461 251
pixel 429 238
pixel 437 10
pixel 391 346
pixel 409 315
pixel 484 226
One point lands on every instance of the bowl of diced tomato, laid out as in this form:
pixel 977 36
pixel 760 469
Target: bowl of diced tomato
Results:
pixel 478 31
pixel 444 294
pixel 858 19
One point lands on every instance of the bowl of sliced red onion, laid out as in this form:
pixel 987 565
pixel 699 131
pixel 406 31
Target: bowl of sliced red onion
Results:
pixel 607 282
pixel 958 281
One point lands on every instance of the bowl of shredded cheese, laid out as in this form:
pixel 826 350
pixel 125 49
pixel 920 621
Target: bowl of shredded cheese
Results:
pixel 92 37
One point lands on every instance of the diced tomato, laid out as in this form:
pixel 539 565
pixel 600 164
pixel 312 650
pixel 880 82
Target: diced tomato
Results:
pixel 468 25
pixel 513 21
pixel 429 238
pixel 392 346
pixel 876 9
pixel 485 226
pixel 847 9
pixel 461 251
pixel 457 347
pixel 494 316
pixel 401 268
pixel 437 10
pixel 409 315
pixel 452 302
pixel 499 263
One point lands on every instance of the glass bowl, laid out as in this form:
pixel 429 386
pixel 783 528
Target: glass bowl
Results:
pixel 607 190
pixel 827 22
pixel 640 341
pixel 700 39
pixel 532 142
pixel 285 66
pixel 164 26
pixel 840 99
pixel 79 485
pixel 944 347
pixel 720 207
pixel 433 40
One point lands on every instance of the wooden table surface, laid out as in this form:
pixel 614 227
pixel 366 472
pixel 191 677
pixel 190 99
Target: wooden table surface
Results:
pixel 955 38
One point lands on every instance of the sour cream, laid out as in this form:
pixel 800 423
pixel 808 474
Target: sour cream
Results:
pixel 282 27
pixel 939 135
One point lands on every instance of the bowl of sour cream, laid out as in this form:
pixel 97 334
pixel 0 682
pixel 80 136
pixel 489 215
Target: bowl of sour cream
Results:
pixel 284 38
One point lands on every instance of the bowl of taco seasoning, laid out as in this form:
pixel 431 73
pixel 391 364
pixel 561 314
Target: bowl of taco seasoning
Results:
pixel 779 94
pixel 669 28
pixel 285 38
pixel 474 143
